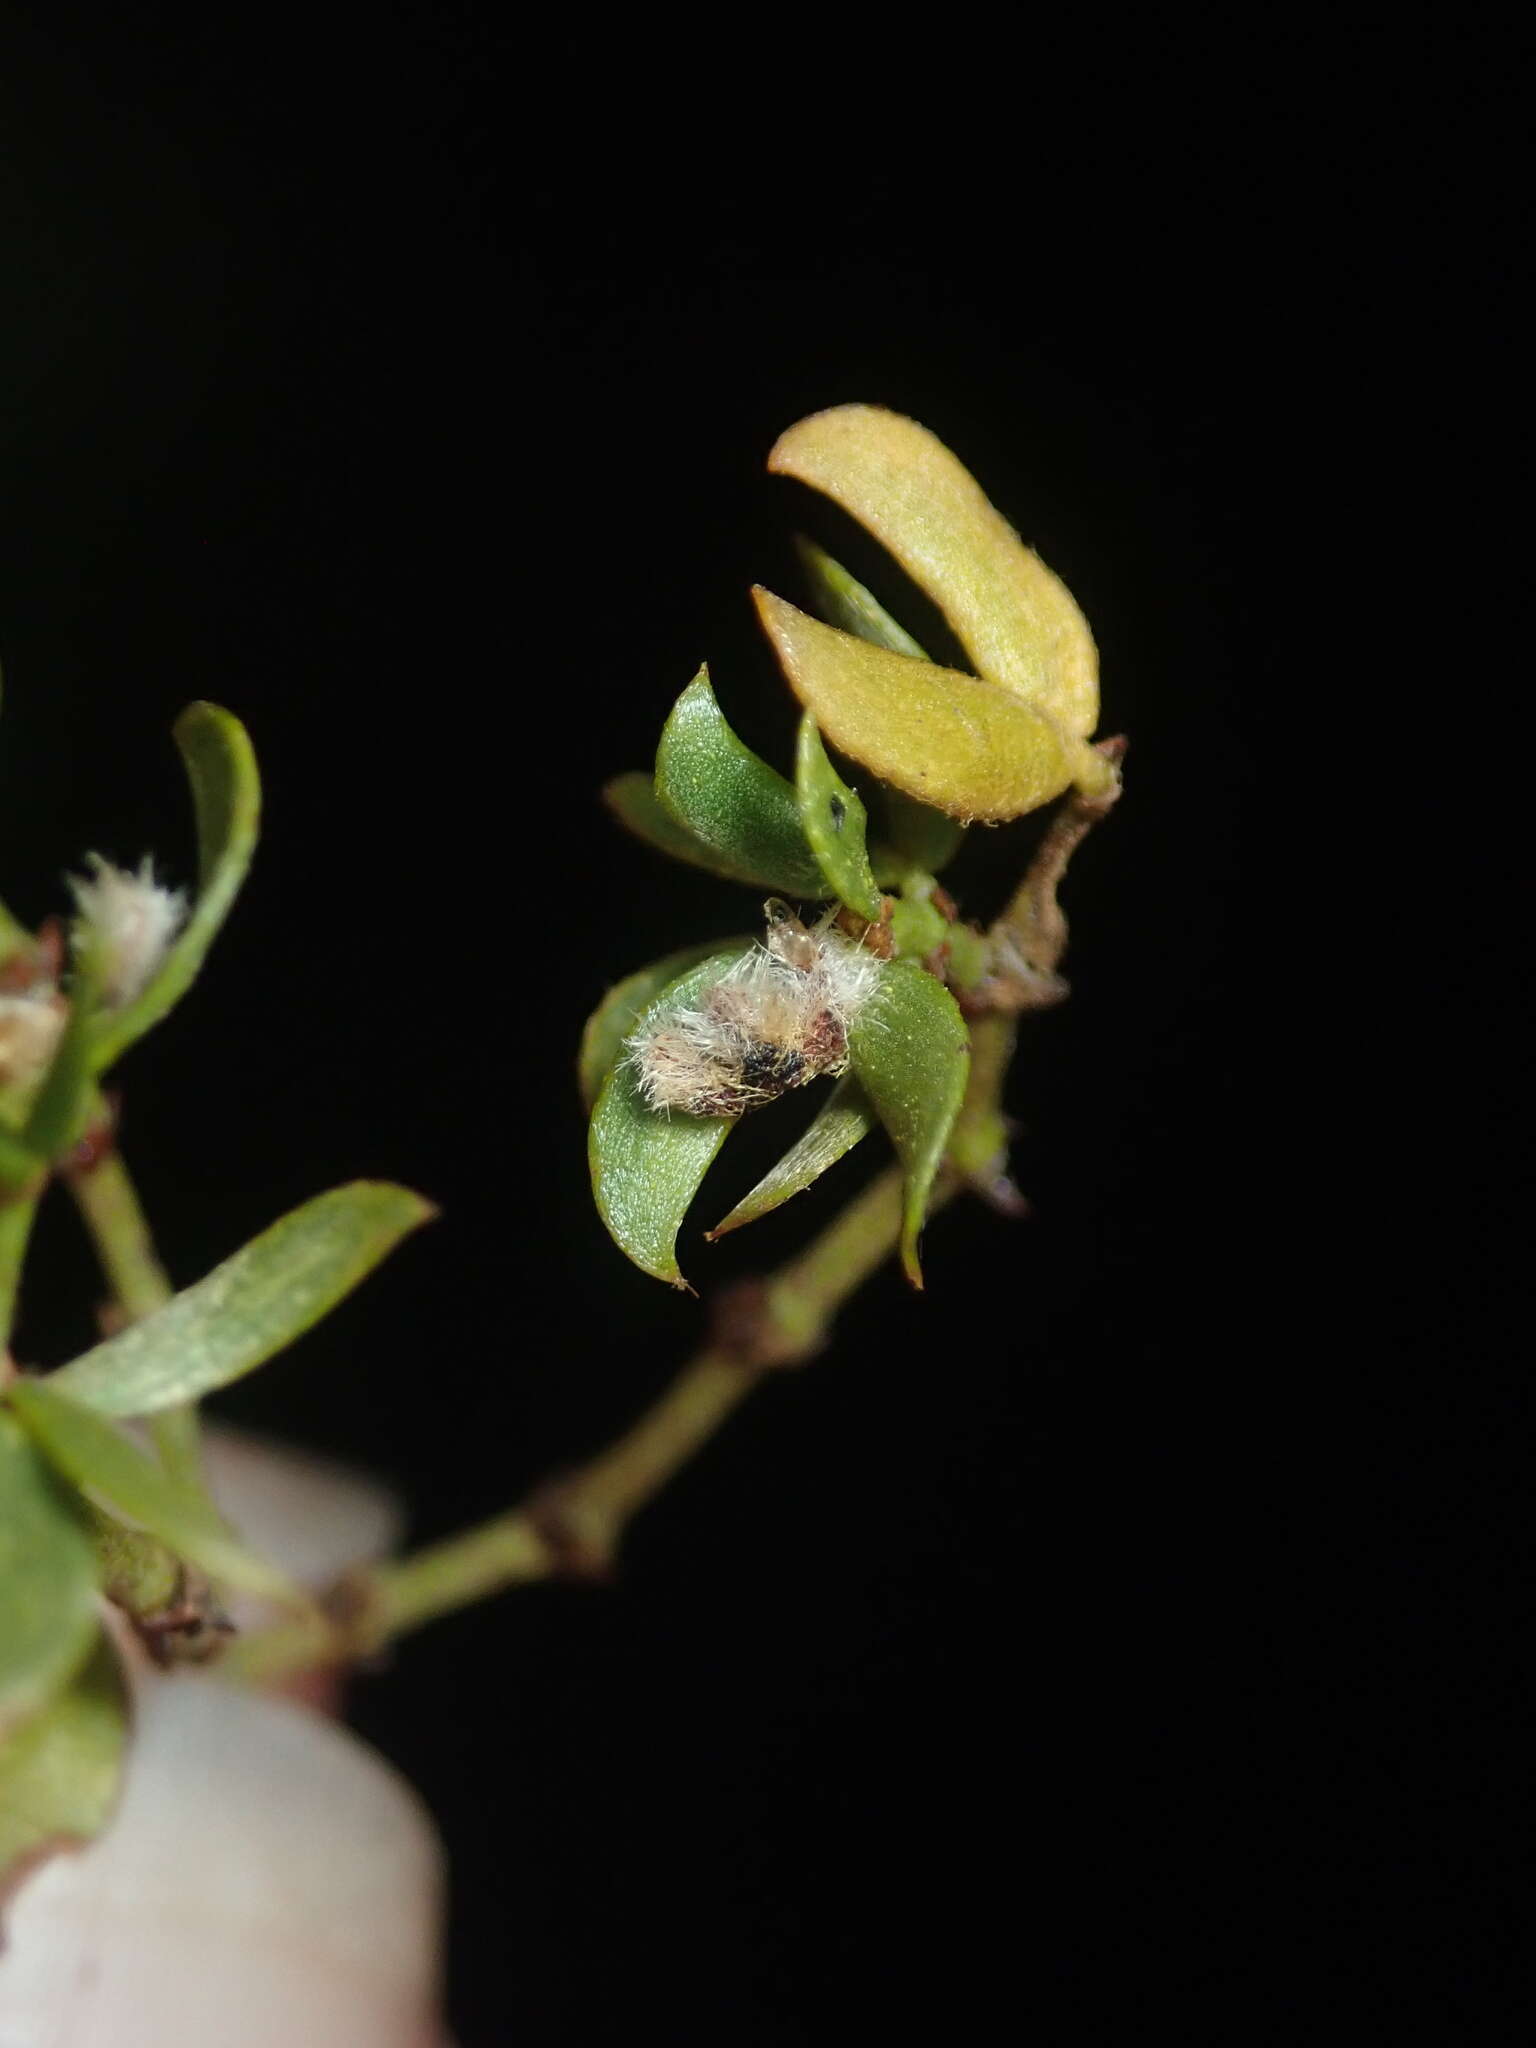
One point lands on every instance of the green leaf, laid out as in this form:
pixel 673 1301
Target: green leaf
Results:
pixel 646 1165
pixel 965 745
pixel 19 1165
pixel 843 601
pixel 1018 622
pixel 911 1054
pixel 730 800
pixel 833 819
pixel 63 1099
pixel 633 801
pixel 92 1455
pixel 226 794
pixel 47 1580
pixel 924 836
pixel 845 1118
pixel 248 1308
pixel 60 1773
pixel 621 1008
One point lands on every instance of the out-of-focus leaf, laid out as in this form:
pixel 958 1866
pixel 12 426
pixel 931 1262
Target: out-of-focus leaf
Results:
pixel 633 801
pixel 62 1103
pixel 732 801
pixel 958 742
pixel 92 1455
pixel 922 835
pixel 910 1053
pixel 257 1301
pixel 226 795
pixel 1018 622
pixel 647 1165
pixel 19 1166
pixel 47 1580
pixel 621 1009
pixel 845 1118
pixel 833 818
pixel 59 1773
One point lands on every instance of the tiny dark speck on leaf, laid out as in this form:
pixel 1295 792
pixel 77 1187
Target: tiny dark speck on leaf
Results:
pixel 839 811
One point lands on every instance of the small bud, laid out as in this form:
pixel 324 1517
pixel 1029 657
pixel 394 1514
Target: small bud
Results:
pixel 127 921
pixel 29 1030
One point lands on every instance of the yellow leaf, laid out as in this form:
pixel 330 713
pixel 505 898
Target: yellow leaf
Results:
pixel 958 742
pixel 1018 622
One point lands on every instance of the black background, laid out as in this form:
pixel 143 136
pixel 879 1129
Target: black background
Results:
pixel 1052 1647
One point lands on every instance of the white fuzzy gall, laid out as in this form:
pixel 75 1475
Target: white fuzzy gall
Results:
pixel 774 1020
pixel 127 922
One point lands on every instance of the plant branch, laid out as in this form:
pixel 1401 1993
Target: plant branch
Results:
pixel 574 1525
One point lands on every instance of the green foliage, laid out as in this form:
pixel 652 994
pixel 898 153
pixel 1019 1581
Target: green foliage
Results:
pixel 647 1166
pixel 912 1056
pixel 93 1455
pixel 59 1773
pixel 226 795
pixel 62 1457
pixel 919 834
pixel 248 1308
pixel 845 1117
pixel 731 801
pixel 47 1580
pixel 833 819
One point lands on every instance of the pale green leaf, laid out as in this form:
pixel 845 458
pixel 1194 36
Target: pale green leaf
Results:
pixel 833 819
pixel 845 1118
pixel 911 1054
pixel 226 795
pixel 47 1580
pixel 91 1453
pixel 647 1165
pixel 248 1308
pixel 730 800
pixel 59 1774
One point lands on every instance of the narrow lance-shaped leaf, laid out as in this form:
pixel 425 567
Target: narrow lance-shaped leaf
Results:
pixel 622 1007
pixel 834 822
pixel 92 1455
pixel 1018 622
pixel 647 1165
pixel 911 1054
pixel 59 1774
pixel 729 799
pixel 62 1102
pixel 248 1308
pixel 633 801
pixel 958 742
pixel 226 794
pixel 47 1580
pixel 845 1118
pixel 922 835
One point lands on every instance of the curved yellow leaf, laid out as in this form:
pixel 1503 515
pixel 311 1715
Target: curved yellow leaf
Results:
pixel 1018 622
pixel 958 742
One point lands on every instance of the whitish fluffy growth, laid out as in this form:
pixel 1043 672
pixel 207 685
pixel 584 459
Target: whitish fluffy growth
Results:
pixel 29 1031
pixel 126 922
pixel 775 1020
